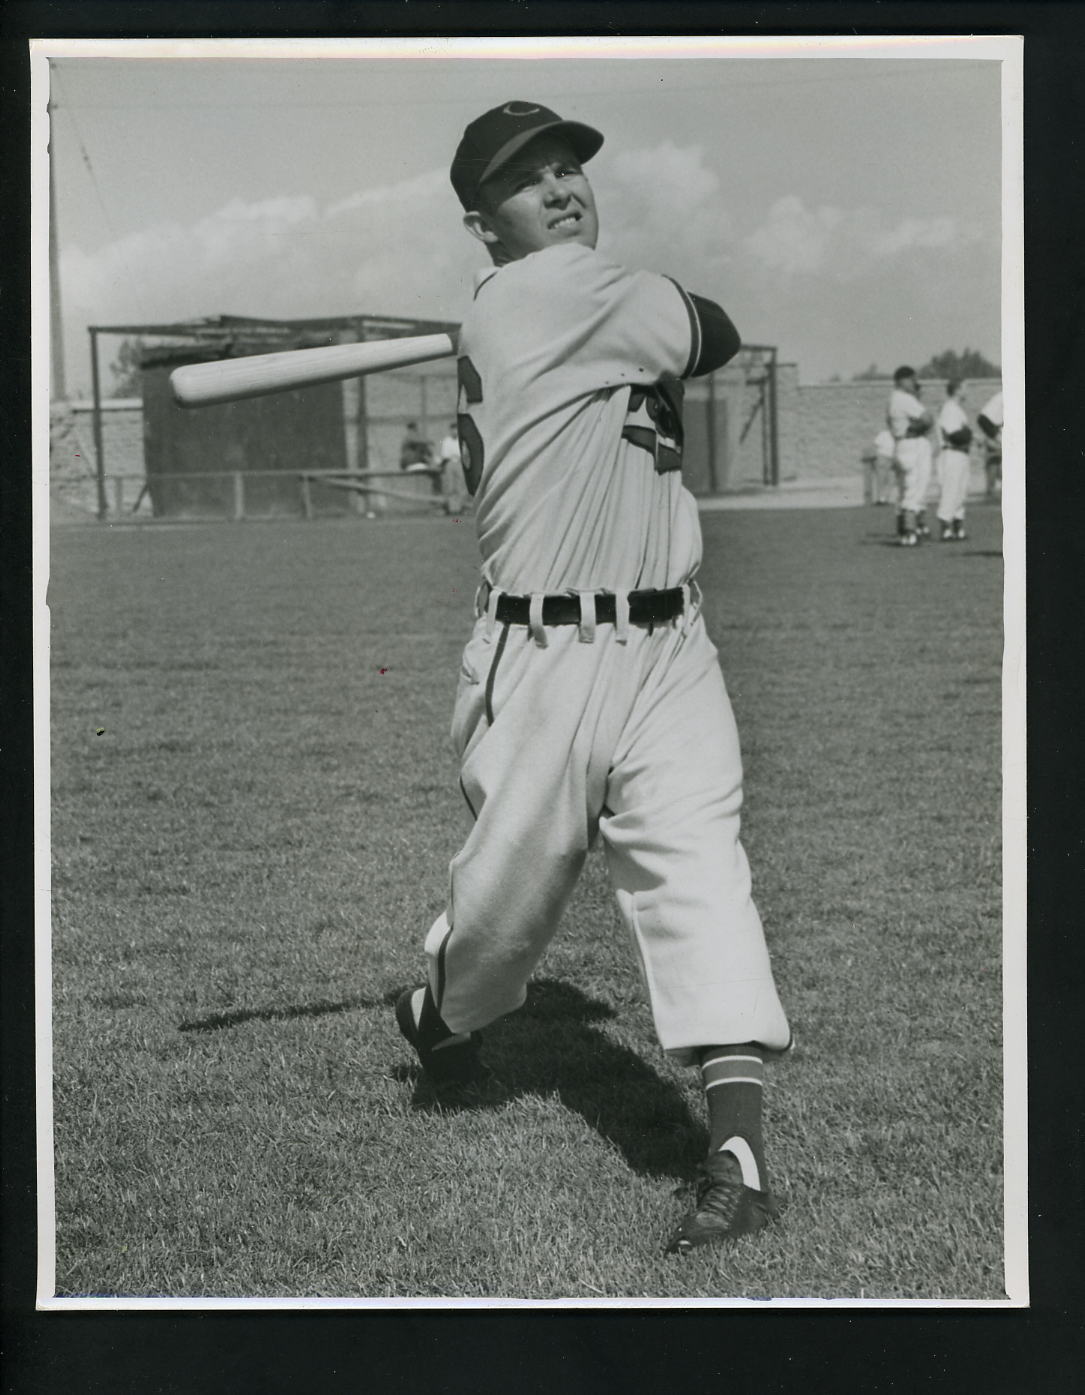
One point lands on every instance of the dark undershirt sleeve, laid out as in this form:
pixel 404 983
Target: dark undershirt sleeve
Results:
pixel 714 340
pixel 720 340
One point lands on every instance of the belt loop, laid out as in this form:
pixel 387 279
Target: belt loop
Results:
pixel 695 602
pixel 587 617
pixel 621 617
pixel 491 609
pixel 683 619
pixel 535 619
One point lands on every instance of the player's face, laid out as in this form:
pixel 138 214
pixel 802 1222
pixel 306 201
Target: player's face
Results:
pixel 541 198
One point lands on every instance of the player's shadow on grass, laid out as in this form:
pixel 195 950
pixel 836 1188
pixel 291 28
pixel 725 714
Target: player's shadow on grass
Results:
pixel 551 1046
pixel 235 1017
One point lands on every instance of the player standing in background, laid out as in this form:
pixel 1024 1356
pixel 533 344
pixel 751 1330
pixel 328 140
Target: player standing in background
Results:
pixel 909 422
pixel 883 466
pixel 954 461
pixel 989 422
pixel 878 484
pixel 590 702
pixel 451 467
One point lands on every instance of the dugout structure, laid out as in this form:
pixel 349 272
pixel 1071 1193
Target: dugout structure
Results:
pixel 243 459
pixel 280 454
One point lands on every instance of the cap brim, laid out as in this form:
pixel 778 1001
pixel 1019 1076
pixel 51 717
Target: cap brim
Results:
pixel 585 141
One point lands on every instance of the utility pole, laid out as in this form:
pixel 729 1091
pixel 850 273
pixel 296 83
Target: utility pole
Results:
pixel 56 324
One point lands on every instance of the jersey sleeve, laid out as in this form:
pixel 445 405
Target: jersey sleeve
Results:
pixel 608 325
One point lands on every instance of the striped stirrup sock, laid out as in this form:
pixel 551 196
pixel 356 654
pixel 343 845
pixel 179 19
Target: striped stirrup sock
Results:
pixel 733 1078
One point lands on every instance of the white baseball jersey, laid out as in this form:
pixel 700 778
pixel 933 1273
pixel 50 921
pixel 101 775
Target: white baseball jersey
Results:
pixel 950 419
pixel 572 452
pixel 904 408
pixel 993 410
pixel 449 448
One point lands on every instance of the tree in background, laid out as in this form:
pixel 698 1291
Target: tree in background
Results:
pixel 969 363
pixel 126 371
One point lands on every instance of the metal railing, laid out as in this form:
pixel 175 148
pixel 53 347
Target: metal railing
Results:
pixel 369 485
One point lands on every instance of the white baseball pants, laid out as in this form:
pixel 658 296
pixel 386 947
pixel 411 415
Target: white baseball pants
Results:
pixel 914 465
pixel 953 473
pixel 632 740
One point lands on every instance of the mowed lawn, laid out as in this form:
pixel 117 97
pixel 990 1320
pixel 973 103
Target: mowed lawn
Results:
pixel 254 803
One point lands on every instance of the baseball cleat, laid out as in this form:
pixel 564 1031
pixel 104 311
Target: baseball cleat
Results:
pixel 909 539
pixel 725 1208
pixel 444 1055
pixel 947 533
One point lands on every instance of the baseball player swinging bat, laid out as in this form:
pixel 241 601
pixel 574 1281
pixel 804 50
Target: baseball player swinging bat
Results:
pixel 233 379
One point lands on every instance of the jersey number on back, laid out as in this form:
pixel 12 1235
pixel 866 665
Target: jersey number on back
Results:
pixel 471 451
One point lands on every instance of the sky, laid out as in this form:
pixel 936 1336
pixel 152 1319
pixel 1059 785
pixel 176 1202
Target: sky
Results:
pixel 846 209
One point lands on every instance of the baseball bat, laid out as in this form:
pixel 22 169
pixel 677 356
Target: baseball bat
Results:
pixel 233 379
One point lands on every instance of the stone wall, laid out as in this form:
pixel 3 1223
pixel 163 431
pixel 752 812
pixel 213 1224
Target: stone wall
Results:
pixel 825 427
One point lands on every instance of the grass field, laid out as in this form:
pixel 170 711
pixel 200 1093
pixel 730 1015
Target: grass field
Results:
pixel 254 803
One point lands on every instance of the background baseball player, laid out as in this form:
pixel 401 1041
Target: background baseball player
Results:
pixel 877 461
pixel 451 467
pixel 954 461
pixel 590 702
pixel 989 422
pixel 909 421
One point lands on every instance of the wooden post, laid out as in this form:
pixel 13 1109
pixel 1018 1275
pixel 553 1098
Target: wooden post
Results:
pixel 363 428
pixel 239 496
pixel 366 501
pixel 99 449
pixel 713 478
pixel 766 442
pixel 774 421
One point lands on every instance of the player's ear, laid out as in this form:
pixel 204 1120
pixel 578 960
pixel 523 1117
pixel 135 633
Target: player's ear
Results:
pixel 477 226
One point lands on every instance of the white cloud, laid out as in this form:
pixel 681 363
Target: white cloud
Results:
pixel 663 208
pixel 844 244
pixel 400 250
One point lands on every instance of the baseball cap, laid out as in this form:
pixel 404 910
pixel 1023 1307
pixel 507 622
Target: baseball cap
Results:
pixel 494 138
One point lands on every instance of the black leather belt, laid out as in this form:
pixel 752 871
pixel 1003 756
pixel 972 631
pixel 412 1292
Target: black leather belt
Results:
pixel 644 608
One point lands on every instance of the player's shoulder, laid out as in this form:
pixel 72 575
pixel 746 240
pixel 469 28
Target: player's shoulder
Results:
pixel 549 290
pixel 570 265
